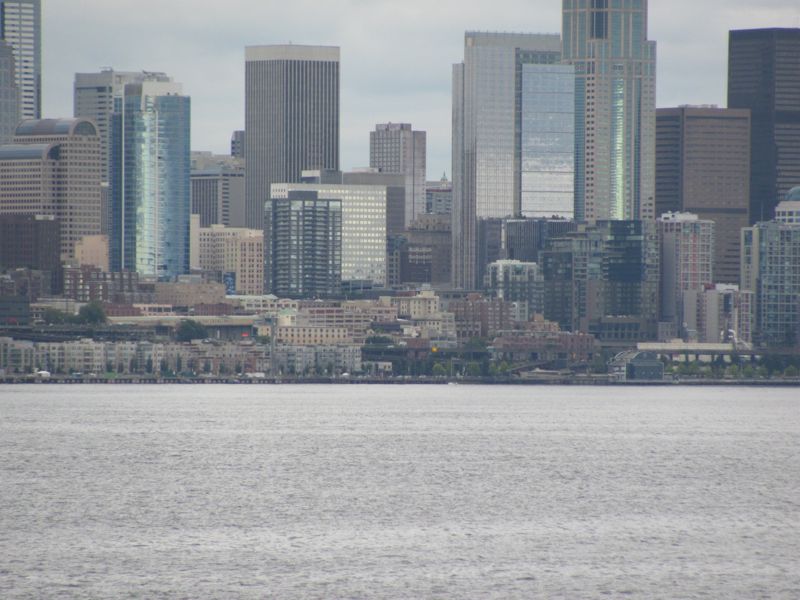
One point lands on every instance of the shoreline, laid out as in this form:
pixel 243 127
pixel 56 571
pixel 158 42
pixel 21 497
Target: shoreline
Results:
pixel 547 381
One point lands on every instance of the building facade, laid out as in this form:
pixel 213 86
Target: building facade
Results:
pixel 439 197
pixel 236 253
pixel 615 104
pixel 513 146
pixel 95 96
pixel 21 27
pixel 363 227
pixel 151 180
pixel 524 239
pixel 687 262
pixel 396 148
pixel 31 242
pixel 603 279
pixel 771 269
pixel 54 168
pixel 702 167
pixel 764 76
pixel 291 118
pixel 303 244
pixel 518 283
pixel 237 143
pixel 546 125
pixel 217 192
pixel 9 94
pixel 505 90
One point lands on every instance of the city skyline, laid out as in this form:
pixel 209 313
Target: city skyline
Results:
pixel 379 84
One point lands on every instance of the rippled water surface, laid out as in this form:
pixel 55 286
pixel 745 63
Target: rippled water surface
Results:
pixel 398 492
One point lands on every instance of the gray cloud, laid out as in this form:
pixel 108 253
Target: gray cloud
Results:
pixel 396 55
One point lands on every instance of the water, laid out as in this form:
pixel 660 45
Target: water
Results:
pixel 398 492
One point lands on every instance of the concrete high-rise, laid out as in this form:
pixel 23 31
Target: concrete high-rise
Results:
pixel 687 262
pixel 291 118
pixel 150 184
pixel 9 94
pixel 505 161
pixel 615 104
pixel 396 148
pixel 217 189
pixel 53 167
pixel 21 27
pixel 764 76
pixel 703 168
pixel 236 253
pixel 95 95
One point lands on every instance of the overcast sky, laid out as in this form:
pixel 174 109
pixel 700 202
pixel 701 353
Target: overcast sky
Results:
pixel 396 54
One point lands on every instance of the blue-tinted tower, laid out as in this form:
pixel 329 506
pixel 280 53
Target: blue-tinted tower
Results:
pixel 151 180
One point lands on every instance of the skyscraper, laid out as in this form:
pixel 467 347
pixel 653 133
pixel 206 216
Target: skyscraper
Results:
pixel 21 26
pixel 150 180
pixel 764 76
pixel 703 168
pixel 687 262
pixel 603 279
pixel 363 227
pixel 218 189
pixel 396 148
pixel 305 245
pixel 771 269
pixel 291 118
pixel 53 168
pixel 94 97
pixel 9 94
pixel 615 103
pixel 506 162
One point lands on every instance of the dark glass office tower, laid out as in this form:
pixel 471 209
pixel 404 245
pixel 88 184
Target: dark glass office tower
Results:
pixel 603 279
pixel 764 76
pixel 291 118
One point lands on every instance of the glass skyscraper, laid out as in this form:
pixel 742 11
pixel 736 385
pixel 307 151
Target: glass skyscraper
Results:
pixel 150 180
pixel 547 137
pixel 94 97
pixel 764 76
pixel 615 67
pixel 603 279
pixel 512 137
